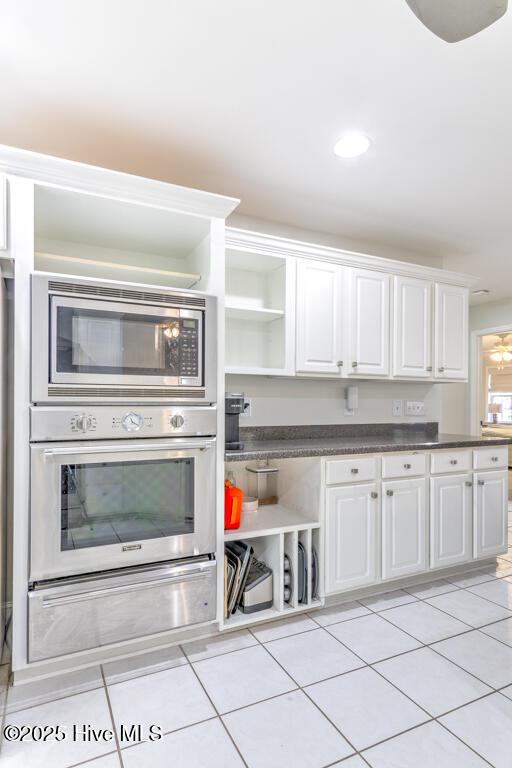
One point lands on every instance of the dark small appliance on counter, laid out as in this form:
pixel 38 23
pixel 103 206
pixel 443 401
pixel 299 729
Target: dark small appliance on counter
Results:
pixel 235 405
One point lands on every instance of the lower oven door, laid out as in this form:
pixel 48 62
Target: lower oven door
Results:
pixel 79 614
pixel 103 505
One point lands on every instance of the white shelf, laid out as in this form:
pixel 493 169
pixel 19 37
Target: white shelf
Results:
pixel 47 261
pixel 254 314
pixel 238 370
pixel 270 520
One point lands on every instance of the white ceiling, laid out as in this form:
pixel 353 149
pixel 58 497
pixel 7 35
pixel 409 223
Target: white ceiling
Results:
pixel 247 97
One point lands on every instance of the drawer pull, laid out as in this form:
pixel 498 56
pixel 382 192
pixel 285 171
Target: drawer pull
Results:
pixel 454 461
pixel 354 365
pixel 441 369
pixel 374 495
pixel 340 363
pixel 469 483
pixel 494 458
pixel 429 368
pixel 481 482
pixel 354 471
pixel 407 466
pixel 389 493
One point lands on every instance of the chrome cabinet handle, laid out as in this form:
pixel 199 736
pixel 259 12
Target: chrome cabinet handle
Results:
pixel 389 493
pixel 407 466
pixel 354 364
pixel 469 483
pixel 354 471
pixel 374 495
pixel 494 458
pixel 454 461
pixel 481 482
pixel 441 369
pixel 429 368
pixel 340 363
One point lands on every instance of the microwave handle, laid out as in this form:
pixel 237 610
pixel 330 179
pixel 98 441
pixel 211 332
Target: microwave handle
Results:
pixel 51 602
pixel 203 445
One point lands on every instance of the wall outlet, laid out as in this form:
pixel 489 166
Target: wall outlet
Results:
pixel 247 408
pixel 398 408
pixel 415 408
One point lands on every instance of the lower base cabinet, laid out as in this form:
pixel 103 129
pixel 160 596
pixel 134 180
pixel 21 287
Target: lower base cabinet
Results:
pixel 491 512
pixel 451 520
pixel 352 536
pixel 404 527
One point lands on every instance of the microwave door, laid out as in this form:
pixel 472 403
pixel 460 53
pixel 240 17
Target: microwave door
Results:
pixel 104 506
pixel 100 342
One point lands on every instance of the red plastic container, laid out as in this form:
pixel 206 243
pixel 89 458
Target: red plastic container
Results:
pixel 232 506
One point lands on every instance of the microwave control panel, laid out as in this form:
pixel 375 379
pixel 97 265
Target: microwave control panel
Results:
pixel 183 346
pixel 120 422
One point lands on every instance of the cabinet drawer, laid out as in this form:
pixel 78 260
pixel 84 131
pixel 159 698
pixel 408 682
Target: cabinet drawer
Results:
pixel 442 462
pixel 490 458
pixel 350 470
pixel 405 465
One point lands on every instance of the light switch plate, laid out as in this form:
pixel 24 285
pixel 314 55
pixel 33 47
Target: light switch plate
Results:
pixel 247 408
pixel 398 408
pixel 415 408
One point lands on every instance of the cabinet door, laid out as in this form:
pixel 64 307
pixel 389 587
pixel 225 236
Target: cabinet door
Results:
pixel 351 536
pixel 451 332
pixel 404 527
pixel 3 212
pixel 491 512
pixel 368 323
pixel 451 520
pixel 320 318
pixel 412 327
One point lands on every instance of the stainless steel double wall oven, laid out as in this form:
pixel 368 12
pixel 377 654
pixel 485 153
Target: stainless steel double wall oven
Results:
pixel 123 490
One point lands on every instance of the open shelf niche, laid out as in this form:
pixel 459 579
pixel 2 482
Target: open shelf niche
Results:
pixel 105 238
pixel 260 304
pixel 275 530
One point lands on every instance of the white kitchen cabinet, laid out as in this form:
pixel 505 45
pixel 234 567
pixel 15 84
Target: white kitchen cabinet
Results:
pixel 369 323
pixel 451 332
pixel 404 527
pixel 3 212
pixel 491 513
pixel 320 317
pixel 412 327
pixel 351 536
pixel 451 520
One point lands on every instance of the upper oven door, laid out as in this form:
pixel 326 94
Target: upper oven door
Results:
pixel 107 505
pixel 108 342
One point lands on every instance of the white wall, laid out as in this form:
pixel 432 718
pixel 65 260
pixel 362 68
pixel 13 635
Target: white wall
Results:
pixel 455 405
pixel 276 401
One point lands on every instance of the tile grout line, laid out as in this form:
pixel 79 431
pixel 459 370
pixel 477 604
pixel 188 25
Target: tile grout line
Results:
pixel 109 703
pixel 214 707
pixel 300 688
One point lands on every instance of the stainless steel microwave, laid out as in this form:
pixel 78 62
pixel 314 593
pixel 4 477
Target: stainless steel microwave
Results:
pixel 102 341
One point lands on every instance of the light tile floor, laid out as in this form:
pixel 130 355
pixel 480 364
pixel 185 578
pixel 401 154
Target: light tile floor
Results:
pixel 419 677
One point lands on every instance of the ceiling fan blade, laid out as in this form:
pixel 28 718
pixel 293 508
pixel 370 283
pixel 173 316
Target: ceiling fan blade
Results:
pixel 454 20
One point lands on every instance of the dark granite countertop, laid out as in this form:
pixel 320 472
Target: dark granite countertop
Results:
pixel 300 442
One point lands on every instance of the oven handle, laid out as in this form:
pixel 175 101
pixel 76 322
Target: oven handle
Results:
pixel 195 575
pixel 175 446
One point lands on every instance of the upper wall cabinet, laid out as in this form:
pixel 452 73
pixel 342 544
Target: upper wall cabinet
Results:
pixel 3 212
pixel 260 313
pixel 320 318
pixel 451 332
pixel 369 314
pixel 307 310
pixel 412 327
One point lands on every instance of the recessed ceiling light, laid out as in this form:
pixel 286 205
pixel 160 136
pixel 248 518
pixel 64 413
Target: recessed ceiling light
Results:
pixel 481 292
pixel 352 144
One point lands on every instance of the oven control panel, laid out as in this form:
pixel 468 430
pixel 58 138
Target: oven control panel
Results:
pixel 120 422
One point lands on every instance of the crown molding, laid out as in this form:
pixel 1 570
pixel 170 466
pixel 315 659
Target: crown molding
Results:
pixel 270 245
pixel 91 179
